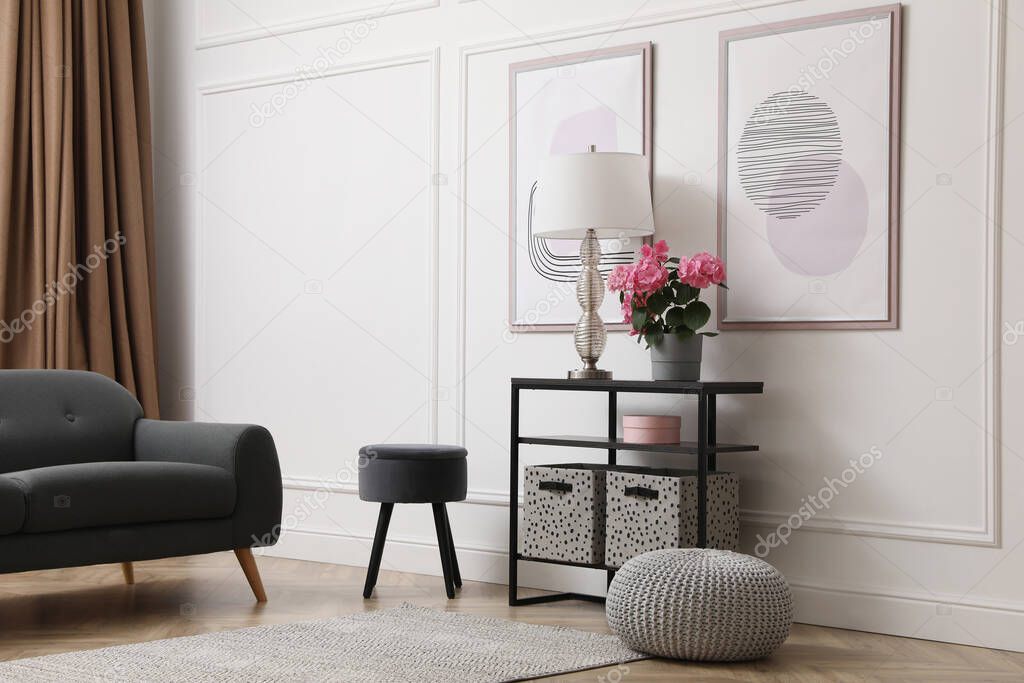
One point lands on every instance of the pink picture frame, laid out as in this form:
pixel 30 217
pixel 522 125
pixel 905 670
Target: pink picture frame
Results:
pixel 645 50
pixel 892 284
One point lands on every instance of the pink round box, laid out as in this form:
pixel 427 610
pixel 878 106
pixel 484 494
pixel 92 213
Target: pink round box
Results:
pixel 651 428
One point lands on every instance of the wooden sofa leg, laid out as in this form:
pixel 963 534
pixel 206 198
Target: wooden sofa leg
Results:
pixel 252 572
pixel 128 569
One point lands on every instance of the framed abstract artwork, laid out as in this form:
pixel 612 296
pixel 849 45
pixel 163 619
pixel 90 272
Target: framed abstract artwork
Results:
pixel 808 187
pixel 560 105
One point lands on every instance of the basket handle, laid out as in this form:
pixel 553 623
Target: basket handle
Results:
pixel 641 492
pixel 559 486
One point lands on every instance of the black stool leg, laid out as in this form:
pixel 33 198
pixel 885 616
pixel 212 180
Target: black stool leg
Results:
pixel 383 519
pixel 444 544
pixel 456 576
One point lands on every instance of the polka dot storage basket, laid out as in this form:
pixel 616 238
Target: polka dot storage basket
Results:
pixel 564 513
pixel 654 509
pixel 587 513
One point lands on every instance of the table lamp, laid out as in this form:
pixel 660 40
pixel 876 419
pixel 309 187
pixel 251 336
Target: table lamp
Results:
pixel 590 196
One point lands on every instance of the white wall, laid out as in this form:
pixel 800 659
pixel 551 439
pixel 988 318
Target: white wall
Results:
pixel 350 239
pixel 170 38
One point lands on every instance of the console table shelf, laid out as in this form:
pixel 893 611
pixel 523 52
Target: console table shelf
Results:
pixel 566 563
pixel 684 447
pixel 706 448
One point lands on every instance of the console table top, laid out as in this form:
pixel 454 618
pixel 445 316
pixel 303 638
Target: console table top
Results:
pixel 638 386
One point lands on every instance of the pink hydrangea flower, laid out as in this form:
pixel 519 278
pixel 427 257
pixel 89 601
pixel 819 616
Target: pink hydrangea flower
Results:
pixel 712 266
pixel 639 281
pixel 689 274
pixel 702 271
pixel 649 276
pixel 659 252
pixel 620 279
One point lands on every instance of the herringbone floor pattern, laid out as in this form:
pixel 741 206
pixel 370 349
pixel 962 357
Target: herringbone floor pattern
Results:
pixel 75 609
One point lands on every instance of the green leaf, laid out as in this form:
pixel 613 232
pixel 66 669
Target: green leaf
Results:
pixel 674 317
pixel 684 294
pixel 639 319
pixel 656 304
pixel 654 337
pixel 709 334
pixel 696 315
pixel 674 259
pixel 679 292
pixel 684 333
pixel 722 285
pixel 622 297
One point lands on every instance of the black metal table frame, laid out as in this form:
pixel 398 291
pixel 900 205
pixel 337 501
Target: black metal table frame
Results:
pixel 705 449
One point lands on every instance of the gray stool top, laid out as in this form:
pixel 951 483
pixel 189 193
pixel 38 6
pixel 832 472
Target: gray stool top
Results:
pixel 412 473
pixel 412 451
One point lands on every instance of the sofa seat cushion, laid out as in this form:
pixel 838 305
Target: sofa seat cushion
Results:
pixel 96 494
pixel 12 507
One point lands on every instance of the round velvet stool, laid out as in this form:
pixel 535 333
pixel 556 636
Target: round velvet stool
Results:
pixel 413 473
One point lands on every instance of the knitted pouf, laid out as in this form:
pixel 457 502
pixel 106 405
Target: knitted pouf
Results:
pixel 702 605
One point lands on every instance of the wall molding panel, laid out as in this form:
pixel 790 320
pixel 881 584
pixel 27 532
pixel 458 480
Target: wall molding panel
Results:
pixel 994 153
pixel 282 77
pixel 429 57
pixel 474 496
pixel 369 11
pixel 986 535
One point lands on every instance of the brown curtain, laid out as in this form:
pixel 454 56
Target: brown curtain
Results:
pixel 76 191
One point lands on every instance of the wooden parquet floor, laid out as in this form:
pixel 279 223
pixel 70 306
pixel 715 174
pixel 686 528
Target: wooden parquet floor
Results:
pixel 76 609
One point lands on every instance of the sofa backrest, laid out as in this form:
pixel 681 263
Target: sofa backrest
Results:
pixel 62 417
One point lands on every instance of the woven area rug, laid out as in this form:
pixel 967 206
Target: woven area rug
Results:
pixel 402 644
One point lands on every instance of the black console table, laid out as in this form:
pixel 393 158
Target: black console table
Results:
pixel 705 448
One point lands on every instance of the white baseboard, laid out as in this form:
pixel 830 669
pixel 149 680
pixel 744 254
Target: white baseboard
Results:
pixel 943 618
pixel 419 556
pixel 400 554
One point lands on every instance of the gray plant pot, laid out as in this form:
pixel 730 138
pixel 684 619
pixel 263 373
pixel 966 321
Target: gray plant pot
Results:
pixel 677 359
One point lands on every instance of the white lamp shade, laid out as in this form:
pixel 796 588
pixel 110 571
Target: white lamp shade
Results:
pixel 607 191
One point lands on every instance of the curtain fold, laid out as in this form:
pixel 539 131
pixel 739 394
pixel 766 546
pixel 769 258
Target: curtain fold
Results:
pixel 76 191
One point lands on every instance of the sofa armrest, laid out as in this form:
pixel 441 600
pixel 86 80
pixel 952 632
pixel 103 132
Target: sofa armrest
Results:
pixel 246 451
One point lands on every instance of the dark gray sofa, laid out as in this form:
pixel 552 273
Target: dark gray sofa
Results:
pixel 85 479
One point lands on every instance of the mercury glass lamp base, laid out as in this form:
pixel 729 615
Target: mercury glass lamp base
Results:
pixel 591 373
